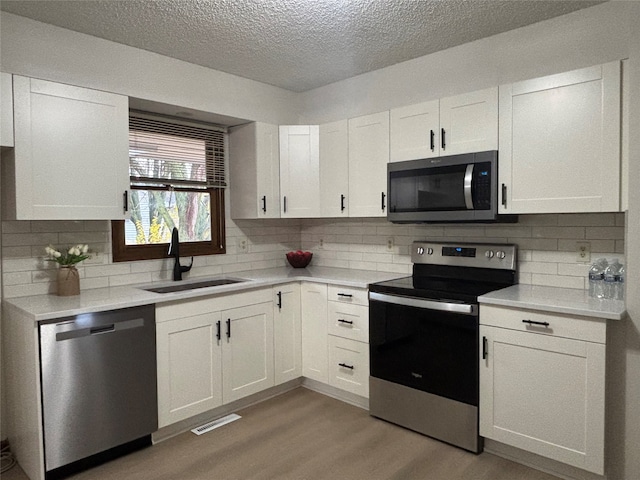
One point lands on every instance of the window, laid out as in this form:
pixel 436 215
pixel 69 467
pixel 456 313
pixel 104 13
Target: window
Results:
pixel 177 180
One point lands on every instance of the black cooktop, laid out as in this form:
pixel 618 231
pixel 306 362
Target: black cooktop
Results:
pixel 437 288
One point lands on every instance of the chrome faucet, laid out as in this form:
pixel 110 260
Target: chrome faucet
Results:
pixel 174 251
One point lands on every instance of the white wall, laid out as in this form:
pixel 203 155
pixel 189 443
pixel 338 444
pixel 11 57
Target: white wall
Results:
pixel 583 38
pixel 39 50
pixel 625 405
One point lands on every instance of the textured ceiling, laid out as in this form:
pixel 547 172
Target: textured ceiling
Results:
pixel 294 44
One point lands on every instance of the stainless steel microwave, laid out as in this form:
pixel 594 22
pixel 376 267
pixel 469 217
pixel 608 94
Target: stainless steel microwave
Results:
pixel 457 188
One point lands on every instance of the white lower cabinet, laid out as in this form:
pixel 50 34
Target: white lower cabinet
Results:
pixel 247 351
pixel 212 351
pixel 314 331
pixel 287 332
pixel 542 387
pixel 349 365
pixel 348 328
pixel 216 350
pixel 189 367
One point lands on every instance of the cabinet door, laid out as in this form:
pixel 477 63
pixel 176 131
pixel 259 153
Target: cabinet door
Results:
pixel 415 131
pixel 254 168
pixel 67 141
pixel 368 158
pixel 544 395
pixel 189 367
pixel 560 142
pixel 247 350
pixel 6 110
pixel 300 171
pixel 268 170
pixel 287 333
pixel 314 332
pixel 334 169
pixel 469 122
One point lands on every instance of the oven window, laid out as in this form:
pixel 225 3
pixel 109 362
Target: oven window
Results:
pixel 430 189
pixel 436 352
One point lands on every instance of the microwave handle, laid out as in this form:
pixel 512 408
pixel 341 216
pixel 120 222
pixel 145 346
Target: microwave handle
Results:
pixel 468 181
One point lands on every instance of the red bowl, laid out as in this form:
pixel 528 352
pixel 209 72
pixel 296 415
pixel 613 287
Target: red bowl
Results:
pixel 299 259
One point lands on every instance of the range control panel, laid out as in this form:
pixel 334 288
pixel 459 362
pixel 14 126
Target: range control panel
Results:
pixel 482 255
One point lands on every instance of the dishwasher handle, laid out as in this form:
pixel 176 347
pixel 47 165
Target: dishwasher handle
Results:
pixel 100 329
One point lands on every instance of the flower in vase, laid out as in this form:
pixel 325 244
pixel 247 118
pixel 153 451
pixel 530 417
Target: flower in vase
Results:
pixel 73 255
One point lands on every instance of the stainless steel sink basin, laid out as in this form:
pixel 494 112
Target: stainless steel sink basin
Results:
pixel 180 287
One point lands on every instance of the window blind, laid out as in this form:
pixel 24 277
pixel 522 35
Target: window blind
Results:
pixel 165 151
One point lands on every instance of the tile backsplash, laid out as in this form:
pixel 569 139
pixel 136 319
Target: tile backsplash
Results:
pixel 547 248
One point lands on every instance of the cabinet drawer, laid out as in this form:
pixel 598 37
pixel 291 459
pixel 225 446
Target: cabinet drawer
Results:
pixel 349 321
pixel 349 365
pixel 559 325
pixel 356 296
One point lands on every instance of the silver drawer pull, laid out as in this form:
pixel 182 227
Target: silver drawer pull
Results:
pixel 344 365
pixel 342 320
pixel 533 322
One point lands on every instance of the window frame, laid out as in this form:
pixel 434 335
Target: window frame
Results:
pixel 214 185
pixel 122 252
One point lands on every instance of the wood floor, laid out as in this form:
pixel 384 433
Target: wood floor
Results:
pixel 304 435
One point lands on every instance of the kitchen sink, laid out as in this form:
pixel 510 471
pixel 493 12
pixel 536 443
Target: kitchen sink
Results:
pixel 194 285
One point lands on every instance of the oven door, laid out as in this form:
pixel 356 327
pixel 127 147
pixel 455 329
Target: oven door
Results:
pixel 427 345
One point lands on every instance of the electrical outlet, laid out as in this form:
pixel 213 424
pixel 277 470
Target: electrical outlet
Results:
pixel 242 245
pixel 321 246
pixel 389 244
pixel 583 252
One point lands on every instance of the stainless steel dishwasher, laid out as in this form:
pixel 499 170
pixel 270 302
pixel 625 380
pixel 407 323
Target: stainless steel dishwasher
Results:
pixel 99 395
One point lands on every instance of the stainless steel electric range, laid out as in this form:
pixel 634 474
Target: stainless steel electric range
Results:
pixel 424 341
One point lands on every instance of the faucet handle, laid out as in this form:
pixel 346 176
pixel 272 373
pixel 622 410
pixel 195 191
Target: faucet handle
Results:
pixel 186 268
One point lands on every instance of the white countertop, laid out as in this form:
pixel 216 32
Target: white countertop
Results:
pixel 47 307
pixel 555 300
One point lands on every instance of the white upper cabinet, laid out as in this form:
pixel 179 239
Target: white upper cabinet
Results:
pixel 450 126
pixel 334 169
pixel 6 110
pixel 368 158
pixel 67 141
pixel 624 139
pixel 560 142
pixel 469 122
pixel 415 131
pixel 299 171
pixel 254 165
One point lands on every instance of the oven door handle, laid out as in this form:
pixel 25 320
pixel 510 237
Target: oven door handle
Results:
pixel 462 308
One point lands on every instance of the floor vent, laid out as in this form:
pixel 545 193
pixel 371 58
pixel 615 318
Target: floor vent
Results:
pixel 207 427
